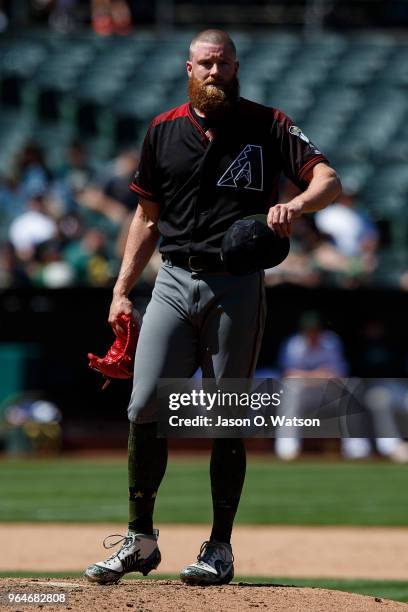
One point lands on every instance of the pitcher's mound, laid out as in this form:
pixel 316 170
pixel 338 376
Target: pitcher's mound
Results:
pixel 169 595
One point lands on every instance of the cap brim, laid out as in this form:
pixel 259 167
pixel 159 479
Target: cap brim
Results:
pixel 258 217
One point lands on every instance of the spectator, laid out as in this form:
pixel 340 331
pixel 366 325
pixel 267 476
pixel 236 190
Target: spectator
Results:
pixel 116 185
pixel 89 259
pixel 80 221
pixel 73 177
pixel 312 354
pixel 313 258
pixel 63 16
pixel 92 198
pixel 382 362
pixel 32 173
pixel 111 17
pixel 50 269
pixel 336 247
pixel 353 232
pixel 32 227
pixel 315 354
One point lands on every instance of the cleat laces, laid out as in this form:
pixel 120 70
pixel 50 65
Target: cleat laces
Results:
pixel 210 551
pixel 127 541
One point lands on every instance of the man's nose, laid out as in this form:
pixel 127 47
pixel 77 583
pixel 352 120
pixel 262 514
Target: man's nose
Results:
pixel 214 69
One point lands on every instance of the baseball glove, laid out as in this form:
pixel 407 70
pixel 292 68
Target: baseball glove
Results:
pixel 118 361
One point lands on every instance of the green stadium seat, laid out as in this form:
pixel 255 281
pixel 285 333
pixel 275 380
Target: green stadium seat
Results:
pixel 293 99
pixel 354 177
pixel 338 100
pixel 176 97
pixel 141 102
pixel 19 62
pixel 15 129
pixel 346 91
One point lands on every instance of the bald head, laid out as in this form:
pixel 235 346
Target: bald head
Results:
pixel 213 37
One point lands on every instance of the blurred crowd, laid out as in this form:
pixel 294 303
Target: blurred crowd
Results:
pixel 67 226
pixel 337 246
pixel 105 17
pixel 30 425
pixel 119 16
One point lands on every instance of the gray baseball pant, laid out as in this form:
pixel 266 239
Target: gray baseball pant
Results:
pixel 210 320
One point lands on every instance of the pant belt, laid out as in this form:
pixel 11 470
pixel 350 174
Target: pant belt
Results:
pixel 195 263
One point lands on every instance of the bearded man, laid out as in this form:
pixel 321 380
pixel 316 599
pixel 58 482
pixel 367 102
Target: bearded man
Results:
pixel 204 165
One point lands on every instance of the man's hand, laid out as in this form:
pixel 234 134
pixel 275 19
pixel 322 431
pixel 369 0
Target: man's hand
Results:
pixel 281 217
pixel 140 245
pixel 324 187
pixel 120 305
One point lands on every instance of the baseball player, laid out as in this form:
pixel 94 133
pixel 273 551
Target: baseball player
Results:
pixel 204 165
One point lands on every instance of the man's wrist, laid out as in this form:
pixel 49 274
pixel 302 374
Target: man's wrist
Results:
pixel 300 204
pixel 120 292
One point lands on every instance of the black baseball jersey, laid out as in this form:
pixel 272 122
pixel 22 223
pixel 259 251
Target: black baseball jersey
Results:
pixel 206 180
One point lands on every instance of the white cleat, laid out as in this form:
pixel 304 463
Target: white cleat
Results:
pixel 214 565
pixel 138 553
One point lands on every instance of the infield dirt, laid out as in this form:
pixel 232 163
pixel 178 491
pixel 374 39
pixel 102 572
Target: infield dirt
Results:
pixel 169 595
pixel 332 552
pixel 373 553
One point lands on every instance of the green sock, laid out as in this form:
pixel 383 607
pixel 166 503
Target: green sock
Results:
pixel 147 461
pixel 227 470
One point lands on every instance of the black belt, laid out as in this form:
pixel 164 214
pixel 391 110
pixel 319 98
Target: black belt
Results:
pixel 195 263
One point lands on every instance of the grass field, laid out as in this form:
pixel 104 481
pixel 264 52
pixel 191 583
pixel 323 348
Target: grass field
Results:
pixel 309 493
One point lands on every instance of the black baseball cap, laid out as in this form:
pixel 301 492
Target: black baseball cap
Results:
pixel 250 245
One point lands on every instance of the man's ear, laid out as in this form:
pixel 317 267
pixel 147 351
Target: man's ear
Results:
pixel 189 68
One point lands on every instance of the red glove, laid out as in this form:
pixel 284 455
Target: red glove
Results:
pixel 118 361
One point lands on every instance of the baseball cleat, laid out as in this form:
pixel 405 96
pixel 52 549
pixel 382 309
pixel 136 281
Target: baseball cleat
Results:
pixel 138 553
pixel 214 565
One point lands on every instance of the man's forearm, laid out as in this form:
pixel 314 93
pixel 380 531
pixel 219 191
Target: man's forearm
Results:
pixel 323 189
pixel 140 245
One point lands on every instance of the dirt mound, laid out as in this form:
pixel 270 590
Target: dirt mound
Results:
pixel 168 595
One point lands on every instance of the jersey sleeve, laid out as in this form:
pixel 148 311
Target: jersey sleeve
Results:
pixel 145 182
pixel 298 153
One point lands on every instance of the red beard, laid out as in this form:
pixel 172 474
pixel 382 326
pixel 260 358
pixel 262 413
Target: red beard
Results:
pixel 213 101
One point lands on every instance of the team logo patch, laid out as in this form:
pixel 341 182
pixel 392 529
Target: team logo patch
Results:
pixel 246 171
pixel 296 131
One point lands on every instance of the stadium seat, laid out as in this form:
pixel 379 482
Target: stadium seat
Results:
pixel 346 91
pixel 15 129
pixel 19 62
pixel 354 177
pixel 293 99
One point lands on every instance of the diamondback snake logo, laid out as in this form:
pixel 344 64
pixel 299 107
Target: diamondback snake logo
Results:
pixel 246 171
